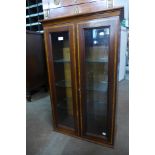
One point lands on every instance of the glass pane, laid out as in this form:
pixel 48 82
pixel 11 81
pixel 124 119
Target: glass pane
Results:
pixel 96 67
pixel 62 71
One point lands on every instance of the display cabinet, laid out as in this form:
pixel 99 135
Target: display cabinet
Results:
pixel 82 53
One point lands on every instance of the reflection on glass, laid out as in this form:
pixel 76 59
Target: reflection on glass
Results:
pixel 62 71
pixel 96 62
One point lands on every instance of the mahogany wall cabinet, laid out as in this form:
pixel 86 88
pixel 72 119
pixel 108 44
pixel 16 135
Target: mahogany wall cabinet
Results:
pixel 82 57
pixel 36 71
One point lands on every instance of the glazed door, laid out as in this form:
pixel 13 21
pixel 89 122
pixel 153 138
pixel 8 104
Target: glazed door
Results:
pixel 60 52
pixel 97 49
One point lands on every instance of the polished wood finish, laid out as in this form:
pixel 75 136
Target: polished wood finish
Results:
pixel 70 29
pixel 75 25
pixel 75 2
pixel 113 23
pixel 64 3
pixel 104 13
pixel 36 72
pixel 77 9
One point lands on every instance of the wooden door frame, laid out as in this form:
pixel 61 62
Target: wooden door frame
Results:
pixel 113 24
pixel 51 77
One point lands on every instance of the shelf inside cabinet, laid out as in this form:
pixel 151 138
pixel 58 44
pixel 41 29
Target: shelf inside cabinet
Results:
pixel 64 83
pixel 97 114
pixel 97 87
pixel 62 61
pixel 96 102
pixel 101 60
pixel 62 106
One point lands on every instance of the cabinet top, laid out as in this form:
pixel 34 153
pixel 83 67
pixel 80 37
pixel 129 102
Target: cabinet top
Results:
pixel 110 12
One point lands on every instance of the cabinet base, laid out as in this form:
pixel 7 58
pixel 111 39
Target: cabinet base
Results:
pixel 106 144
